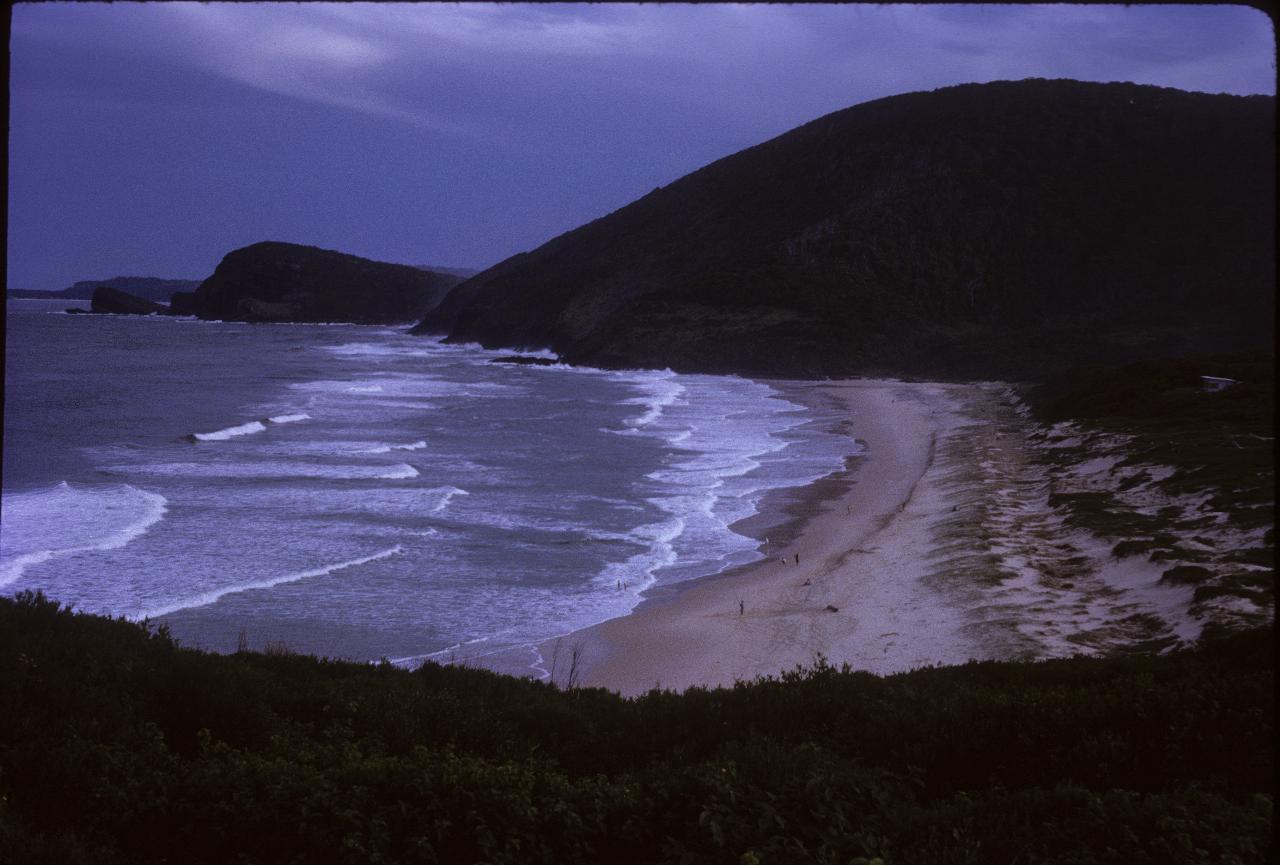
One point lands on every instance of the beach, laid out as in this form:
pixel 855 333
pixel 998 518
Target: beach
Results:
pixel 847 587
pixel 940 543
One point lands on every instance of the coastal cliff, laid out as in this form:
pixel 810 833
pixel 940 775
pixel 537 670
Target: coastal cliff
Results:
pixel 274 281
pixel 1002 229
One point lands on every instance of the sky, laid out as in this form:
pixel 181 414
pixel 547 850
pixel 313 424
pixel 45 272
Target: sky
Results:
pixel 152 139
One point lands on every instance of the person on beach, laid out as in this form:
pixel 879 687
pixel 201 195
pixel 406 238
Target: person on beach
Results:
pixel 741 608
pixel 797 558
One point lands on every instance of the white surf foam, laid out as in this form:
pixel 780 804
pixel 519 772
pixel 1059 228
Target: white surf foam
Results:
pixel 334 450
pixel 217 594
pixel 270 470
pixel 289 418
pixel 638 572
pixel 406 404
pixel 543 353
pixel 363 349
pixel 449 493
pixel 385 449
pixel 658 393
pixel 398 472
pixel 45 524
pixel 725 431
pixel 403 386
pixel 230 432
pixel 413 347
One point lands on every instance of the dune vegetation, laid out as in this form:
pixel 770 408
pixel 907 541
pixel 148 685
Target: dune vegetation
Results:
pixel 121 746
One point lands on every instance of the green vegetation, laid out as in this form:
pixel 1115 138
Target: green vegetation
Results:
pixel 1221 440
pixel 119 746
pixel 1156 392
pixel 1220 444
pixel 998 230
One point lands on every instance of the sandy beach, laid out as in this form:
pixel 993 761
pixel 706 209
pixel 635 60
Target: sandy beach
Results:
pixel 856 563
pixel 940 544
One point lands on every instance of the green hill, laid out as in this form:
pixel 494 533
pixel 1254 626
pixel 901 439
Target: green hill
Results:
pixel 995 229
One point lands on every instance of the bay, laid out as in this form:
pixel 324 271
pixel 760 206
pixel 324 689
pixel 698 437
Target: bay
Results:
pixel 361 493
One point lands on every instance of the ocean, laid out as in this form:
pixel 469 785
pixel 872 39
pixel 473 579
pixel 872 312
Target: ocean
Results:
pixel 355 492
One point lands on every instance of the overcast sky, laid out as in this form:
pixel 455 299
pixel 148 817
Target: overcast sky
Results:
pixel 151 139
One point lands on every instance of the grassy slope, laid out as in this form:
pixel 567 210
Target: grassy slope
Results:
pixel 118 746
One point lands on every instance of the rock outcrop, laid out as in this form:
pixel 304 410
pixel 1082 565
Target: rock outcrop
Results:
pixel 287 282
pixel 116 302
pixel 146 287
pixel 182 303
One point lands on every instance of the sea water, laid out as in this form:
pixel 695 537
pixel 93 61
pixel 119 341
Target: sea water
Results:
pixel 358 492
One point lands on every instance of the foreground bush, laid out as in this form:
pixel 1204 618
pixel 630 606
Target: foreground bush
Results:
pixel 118 746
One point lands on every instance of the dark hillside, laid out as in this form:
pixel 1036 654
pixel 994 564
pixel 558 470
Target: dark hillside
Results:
pixel 272 281
pixel 995 229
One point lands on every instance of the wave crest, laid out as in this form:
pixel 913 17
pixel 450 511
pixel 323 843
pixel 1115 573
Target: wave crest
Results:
pixel 46 524
pixel 217 594
pixel 244 429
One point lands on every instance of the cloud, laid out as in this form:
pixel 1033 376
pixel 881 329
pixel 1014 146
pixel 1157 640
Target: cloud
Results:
pixel 487 128
pixel 1220 48
pixel 476 69
pixel 550 30
pixel 298 51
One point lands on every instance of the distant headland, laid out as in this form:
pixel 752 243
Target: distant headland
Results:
pixel 274 281
pixel 146 287
pixel 277 282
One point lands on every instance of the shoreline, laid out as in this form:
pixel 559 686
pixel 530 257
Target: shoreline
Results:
pixel 792 612
pixel 950 538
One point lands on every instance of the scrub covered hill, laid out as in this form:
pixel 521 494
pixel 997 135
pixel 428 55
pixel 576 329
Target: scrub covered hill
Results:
pixel 273 281
pixel 1001 229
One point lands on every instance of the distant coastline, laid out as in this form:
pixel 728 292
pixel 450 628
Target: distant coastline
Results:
pixel 149 288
